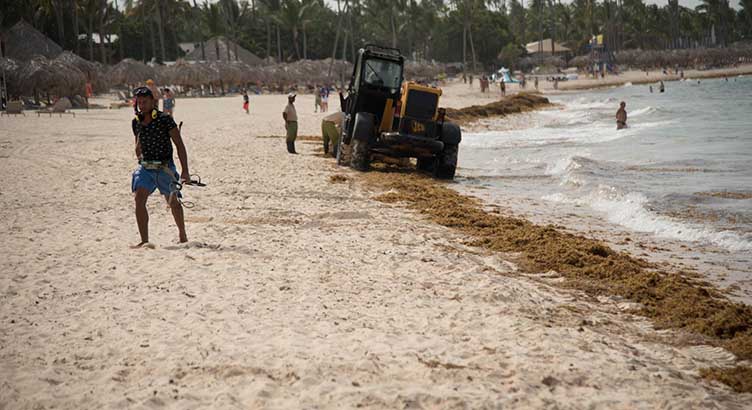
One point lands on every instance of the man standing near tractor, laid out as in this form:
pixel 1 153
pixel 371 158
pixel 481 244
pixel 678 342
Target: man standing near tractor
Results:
pixel 331 127
pixel 291 122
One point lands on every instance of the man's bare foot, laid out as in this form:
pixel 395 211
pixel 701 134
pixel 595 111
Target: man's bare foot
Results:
pixel 146 245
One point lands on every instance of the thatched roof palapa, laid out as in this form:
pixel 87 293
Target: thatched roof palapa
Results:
pixel 23 42
pixel 57 77
pixel 87 67
pixel 12 70
pixel 222 43
pixel 129 72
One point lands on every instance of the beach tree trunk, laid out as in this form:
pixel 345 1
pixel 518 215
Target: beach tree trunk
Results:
pixel 305 44
pixel 75 27
pixel 279 44
pixel 268 39
pixel 464 48
pixel 336 38
pixel 296 47
pixel 160 29
pixel 102 17
pixel 120 34
pixel 472 49
pixel 57 7
pixel 90 36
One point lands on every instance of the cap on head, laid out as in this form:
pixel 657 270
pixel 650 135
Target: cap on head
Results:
pixel 142 92
pixel 150 82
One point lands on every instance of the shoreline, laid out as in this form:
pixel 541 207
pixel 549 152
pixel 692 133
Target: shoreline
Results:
pixel 638 78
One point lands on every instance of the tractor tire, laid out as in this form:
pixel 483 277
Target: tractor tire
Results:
pixel 360 156
pixel 445 163
pixel 425 164
pixel 343 153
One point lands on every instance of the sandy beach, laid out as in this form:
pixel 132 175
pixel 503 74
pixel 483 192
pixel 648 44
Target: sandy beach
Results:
pixel 295 290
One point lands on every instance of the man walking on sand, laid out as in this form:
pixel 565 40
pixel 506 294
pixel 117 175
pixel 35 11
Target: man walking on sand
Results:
pixel 155 133
pixel 503 87
pixel 621 116
pixel 291 122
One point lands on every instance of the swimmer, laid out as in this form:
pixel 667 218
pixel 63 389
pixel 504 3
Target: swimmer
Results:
pixel 621 116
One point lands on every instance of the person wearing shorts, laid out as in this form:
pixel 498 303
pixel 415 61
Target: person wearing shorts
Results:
pixel 155 133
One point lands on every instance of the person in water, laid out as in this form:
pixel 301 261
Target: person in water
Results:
pixel 662 88
pixel 621 116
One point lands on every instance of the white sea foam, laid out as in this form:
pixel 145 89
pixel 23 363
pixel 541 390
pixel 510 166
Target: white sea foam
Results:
pixel 629 211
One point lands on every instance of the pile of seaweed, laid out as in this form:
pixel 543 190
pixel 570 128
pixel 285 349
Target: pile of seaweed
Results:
pixel 509 105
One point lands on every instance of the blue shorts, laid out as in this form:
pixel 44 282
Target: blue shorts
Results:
pixel 151 179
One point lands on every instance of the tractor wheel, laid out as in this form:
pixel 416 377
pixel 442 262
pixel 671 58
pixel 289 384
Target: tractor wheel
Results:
pixel 446 162
pixel 425 164
pixel 342 153
pixel 360 156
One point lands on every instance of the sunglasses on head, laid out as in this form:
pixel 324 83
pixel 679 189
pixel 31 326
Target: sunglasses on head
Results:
pixel 142 92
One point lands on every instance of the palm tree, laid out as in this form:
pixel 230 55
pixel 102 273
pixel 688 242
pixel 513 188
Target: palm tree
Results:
pixel 213 23
pixel 292 14
pixel 233 14
pixel 272 9
pixel 468 10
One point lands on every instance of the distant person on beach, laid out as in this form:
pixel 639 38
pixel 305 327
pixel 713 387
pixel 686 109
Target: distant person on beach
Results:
pixel 651 89
pixel 89 91
pixel 503 87
pixel 556 83
pixel 317 100
pixel 325 99
pixel 291 123
pixel 522 81
pixel 168 102
pixel 621 116
pixel 246 102
pixel 662 88
pixel 471 81
pixel 535 82
pixel 155 134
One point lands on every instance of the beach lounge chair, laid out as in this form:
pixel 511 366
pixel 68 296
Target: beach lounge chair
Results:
pixel 13 107
pixel 60 107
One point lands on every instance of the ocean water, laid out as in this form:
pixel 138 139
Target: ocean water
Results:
pixel 682 170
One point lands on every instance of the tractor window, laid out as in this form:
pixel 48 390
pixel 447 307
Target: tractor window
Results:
pixel 383 73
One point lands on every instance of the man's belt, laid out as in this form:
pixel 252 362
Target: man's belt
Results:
pixel 153 165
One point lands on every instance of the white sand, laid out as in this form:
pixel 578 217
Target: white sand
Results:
pixel 292 292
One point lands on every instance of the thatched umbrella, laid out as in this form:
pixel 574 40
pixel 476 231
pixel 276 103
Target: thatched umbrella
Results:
pixel 130 72
pixel 227 73
pixel 23 42
pixel 11 69
pixel 90 69
pixel 52 76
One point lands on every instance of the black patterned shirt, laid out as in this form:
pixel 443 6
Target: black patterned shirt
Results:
pixel 156 144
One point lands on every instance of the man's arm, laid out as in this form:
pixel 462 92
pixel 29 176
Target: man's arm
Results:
pixel 182 154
